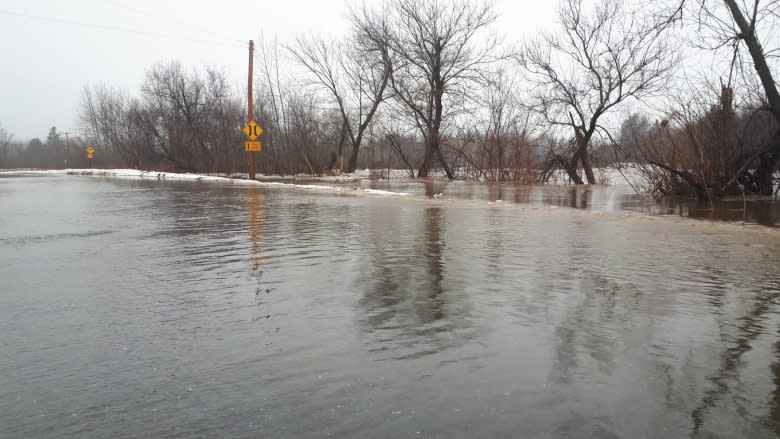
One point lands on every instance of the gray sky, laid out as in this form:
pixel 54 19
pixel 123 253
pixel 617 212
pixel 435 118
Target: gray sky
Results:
pixel 51 49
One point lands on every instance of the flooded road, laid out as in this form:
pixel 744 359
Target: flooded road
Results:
pixel 137 308
pixel 618 197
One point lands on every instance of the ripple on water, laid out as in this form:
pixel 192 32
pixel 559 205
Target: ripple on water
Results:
pixel 48 238
pixel 196 311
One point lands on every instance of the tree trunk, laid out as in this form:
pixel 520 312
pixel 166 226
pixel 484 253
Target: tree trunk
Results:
pixel 759 58
pixel 444 165
pixel 582 138
pixel 581 156
pixel 340 154
pixel 353 158
pixel 587 167
pixel 425 167
pixel 768 162
pixel 766 167
pixel 572 171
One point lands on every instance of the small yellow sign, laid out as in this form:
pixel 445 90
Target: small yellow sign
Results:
pixel 253 130
pixel 253 146
pixel 90 152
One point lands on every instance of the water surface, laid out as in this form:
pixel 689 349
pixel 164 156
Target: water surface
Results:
pixel 136 308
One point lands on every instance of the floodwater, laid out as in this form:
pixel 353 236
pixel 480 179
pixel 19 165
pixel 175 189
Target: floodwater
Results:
pixel 133 308
pixel 619 197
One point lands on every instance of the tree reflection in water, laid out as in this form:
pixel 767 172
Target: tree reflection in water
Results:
pixel 408 294
pixel 748 329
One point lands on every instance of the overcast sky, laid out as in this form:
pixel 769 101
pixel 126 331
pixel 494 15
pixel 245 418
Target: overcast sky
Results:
pixel 51 49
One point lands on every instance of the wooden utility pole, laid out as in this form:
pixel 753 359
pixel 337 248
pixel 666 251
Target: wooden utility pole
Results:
pixel 67 149
pixel 249 109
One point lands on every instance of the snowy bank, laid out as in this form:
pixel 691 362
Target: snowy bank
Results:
pixel 138 174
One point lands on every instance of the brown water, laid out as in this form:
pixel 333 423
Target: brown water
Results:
pixel 158 309
pixel 619 197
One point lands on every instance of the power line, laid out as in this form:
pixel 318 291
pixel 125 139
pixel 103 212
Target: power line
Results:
pixel 221 36
pixel 67 148
pixel 118 29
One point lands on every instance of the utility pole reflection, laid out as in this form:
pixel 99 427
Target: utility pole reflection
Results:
pixel 255 211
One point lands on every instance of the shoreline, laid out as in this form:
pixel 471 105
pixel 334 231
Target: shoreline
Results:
pixel 267 182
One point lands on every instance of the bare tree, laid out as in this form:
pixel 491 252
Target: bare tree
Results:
pixel 176 108
pixel 745 30
pixel 225 122
pixel 355 74
pixel 633 130
pixel 5 141
pixel 496 140
pixel 699 148
pixel 88 113
pixel 108 117
pixel 193 118
pixel 400 141
pixel 287 113
pixel 187 121
pixel 598 61
pixel 437 55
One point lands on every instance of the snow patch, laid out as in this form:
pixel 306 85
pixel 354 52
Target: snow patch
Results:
pixel 135 173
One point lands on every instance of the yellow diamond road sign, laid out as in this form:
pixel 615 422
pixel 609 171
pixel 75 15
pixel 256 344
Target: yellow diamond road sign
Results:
pixel 253 130
pixel 253 146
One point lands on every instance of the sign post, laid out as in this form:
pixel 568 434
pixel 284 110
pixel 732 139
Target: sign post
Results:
pixel 249 111
pixel 253 146
pixel 253 130
pixel 90 154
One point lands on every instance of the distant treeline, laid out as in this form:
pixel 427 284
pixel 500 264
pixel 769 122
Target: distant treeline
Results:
pixel 425 84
